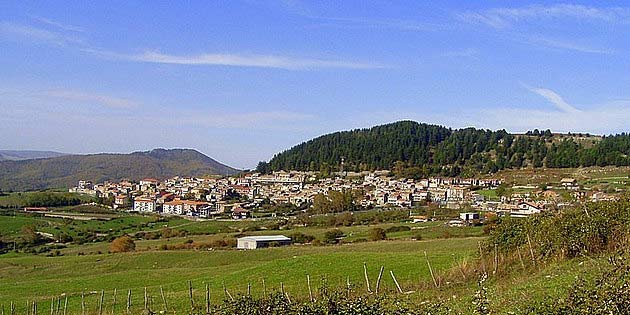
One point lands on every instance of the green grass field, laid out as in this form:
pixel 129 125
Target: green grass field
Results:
pixel 39 278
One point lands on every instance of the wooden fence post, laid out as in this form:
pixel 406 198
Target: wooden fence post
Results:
pixel 367 280
pixel 82 302
pixel 391 272
pixel 208 298
pixel 430 269
pixel 163 299
pixel 100 303
pixel 531 250
pixel 310 291
pixel 129 302
pixel 58 306
pixel 146 300
pixel 190 296
pixel 114 303
pixel 378 280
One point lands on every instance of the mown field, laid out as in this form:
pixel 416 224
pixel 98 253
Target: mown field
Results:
pixel 26 277
pixel 587 176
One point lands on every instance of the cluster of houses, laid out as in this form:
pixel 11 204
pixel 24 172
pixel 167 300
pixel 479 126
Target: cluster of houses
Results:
pixel 237 196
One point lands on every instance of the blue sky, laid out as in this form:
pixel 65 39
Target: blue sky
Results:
pixel 242 80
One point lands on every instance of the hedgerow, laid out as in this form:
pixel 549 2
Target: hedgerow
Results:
pixel 584 230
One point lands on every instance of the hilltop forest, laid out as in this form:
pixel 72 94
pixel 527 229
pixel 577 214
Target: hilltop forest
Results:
pixel 416 149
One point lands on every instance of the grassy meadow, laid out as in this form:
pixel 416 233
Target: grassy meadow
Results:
pixel 26 277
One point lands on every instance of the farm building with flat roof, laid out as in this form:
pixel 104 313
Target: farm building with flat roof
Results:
pixel 253 242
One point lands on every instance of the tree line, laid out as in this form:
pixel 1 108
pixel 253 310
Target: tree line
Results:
pixel 418 150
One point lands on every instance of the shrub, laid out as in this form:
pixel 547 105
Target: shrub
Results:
pixel 606 293
pixel 301 238
pixel 377 234
pixel 122 244
pixel 587 230
pixel 332 236
pixel 417 236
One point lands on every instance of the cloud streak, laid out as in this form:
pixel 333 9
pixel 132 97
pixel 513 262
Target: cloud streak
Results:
pixel 237 60
pixel 62 38
pixel 26 32
pixel 566 45
pixel 61 26
pixel 359 23
pixel 603 118
pixel 555 99
pixel 506 17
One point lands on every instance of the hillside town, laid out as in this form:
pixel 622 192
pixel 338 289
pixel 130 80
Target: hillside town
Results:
pixel 240 197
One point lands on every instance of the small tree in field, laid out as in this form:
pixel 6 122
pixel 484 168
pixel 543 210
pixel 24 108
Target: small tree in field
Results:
pixel 122 244
pixel 377 234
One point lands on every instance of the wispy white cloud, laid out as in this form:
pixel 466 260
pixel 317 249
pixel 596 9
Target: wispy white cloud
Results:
pixel 61 38
pixel 237 60
pixel 600 118
pixel 363 23
pixel 16 31
pixel 522 20
pixel 506 17
pixel 604 118
pixel 555 99
pixel 95 98
pixel 59 25
pixel 566 45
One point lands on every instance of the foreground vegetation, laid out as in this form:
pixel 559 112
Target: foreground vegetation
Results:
pixel 38 278
pixel 573 261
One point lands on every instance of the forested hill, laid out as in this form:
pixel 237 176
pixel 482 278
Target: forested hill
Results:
pixel 18 155
pixel 66 171
pixel 424 149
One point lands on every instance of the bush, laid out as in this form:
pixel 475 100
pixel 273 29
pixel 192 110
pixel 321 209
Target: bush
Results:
pixel 301 238
pixel 332 236
pixel 587 230
pixel 377 234
pixel 417 236
pixel 607 293
pixel 122 244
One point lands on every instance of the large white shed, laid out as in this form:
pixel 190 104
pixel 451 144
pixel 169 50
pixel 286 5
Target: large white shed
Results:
pixel 253 242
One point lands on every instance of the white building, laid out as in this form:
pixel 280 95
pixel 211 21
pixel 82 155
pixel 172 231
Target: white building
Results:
pixel 144 205
pixel 253 242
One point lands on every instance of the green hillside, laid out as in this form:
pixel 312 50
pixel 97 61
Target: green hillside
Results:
pixel 66 171
pixel 431 149
pixel 17 155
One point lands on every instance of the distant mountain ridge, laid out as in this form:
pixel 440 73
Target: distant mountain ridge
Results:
pixel 65 171
pixel 18 155
pixel 420 149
